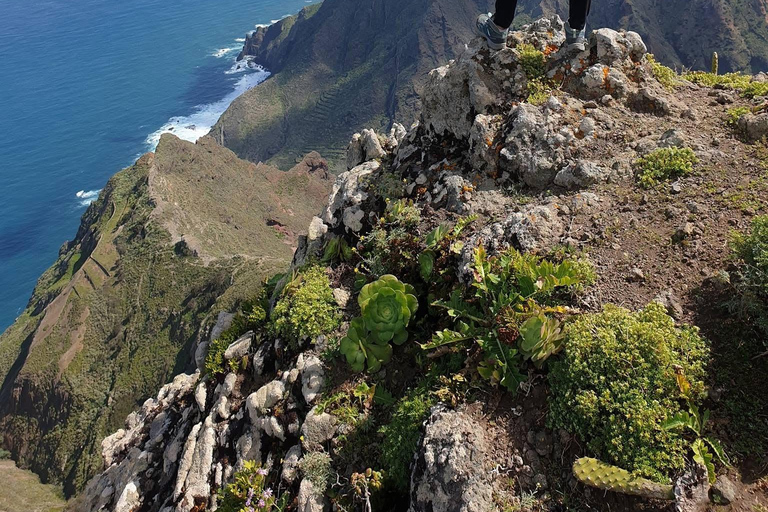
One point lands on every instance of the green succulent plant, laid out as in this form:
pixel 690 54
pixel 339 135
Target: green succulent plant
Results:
pixel 598 474
pixel 540 337
pixel 387 306
pixel 358 346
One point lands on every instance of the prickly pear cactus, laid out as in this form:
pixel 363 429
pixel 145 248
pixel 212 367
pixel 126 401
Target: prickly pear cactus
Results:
pixel 611 478
pixel 715 63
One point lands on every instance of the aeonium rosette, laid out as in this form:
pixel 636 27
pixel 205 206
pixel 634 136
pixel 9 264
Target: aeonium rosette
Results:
pixel 387 306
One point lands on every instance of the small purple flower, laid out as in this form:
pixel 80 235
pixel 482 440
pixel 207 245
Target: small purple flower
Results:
pixel 250 497
pixel 261 504
pixel 262 471
pixel 267 493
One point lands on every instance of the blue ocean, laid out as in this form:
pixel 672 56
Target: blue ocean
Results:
pixel 85 88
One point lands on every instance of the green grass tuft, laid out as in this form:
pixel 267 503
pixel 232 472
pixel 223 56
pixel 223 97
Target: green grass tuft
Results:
pixel 664 164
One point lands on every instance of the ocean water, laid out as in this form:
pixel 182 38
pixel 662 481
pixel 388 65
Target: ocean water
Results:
pixel 85 88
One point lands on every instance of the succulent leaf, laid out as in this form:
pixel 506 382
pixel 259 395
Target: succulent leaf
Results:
pixel 598 474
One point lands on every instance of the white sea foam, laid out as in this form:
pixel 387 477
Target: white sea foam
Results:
pixel 240 40
pixel 86 197
pixel 223 52
pixel 199 123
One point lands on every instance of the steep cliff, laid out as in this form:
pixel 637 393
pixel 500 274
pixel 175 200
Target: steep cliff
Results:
pixel 447 339
pixel 339 67
pixel 184 232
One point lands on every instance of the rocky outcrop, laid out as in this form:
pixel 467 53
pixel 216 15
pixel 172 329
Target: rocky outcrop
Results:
pixel 452 472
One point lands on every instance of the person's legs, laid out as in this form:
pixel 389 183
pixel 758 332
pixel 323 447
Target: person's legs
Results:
pixel 577 13
pixel 505 13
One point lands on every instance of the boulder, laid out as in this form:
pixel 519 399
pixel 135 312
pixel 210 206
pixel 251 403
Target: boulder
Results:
pixel 310 499
pixel 580 174
pixel 754 127
pixel 452 472
pixel 239 348
pixel 349 191
pixel 312 376
pixel 264 398
pixel 318 429
pixel 291 464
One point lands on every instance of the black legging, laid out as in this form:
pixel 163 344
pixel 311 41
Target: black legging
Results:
pixel 577 13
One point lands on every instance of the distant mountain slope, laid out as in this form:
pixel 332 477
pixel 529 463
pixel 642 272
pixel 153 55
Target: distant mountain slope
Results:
pixel 346 64
pixel 183 233
pixel 338 67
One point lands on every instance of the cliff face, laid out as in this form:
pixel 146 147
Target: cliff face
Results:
pixel 185 231
pixel 345 64
pixel 337 68
pixel 492 169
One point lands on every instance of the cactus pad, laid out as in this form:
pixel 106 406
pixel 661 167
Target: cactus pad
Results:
pixel 611 478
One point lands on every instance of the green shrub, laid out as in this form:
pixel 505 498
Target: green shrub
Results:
pixel 249 491
pixel 402 434
pixel 664 164
pixel 532 61
pixel 736 81
pixel 734 114
pixel 386 307
pixel 618 382
pixel 539 92
pixel 392 247
pixel 666 76
pixel 751 279
pixel 306 308
pixel 316 466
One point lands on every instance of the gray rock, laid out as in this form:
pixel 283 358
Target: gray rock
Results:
pixel 754 127
pixel 580 174
pixel 291 464
pixel 452 472
pixel 349 191
pixel 197 484
pixel 201 393
pixel 229 384
pixel 239 348
pixel 318 429
pixel 310 499
pixel 669 300
pixel 130 499
pixel 248 446
pixel 672 138
pixel 371 145
pixel 264 398
pixel 355 153
pixel 725 490
pixel 223 322
pixel 312 376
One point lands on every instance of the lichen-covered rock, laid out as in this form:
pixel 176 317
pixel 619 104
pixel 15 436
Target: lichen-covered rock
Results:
pixel 580 174
pixel 318 429
pixel 240 347
pixel 349 191
pixel 291 464
pixel 452 472
pixel 312 376
pixel 264 398
pixel 310 499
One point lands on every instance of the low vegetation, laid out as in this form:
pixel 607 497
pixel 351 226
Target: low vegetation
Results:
pixel 744 84
pixel 622 375
pixel 306 308
pixel 249 491
pixel 751 276
pixel 664 164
